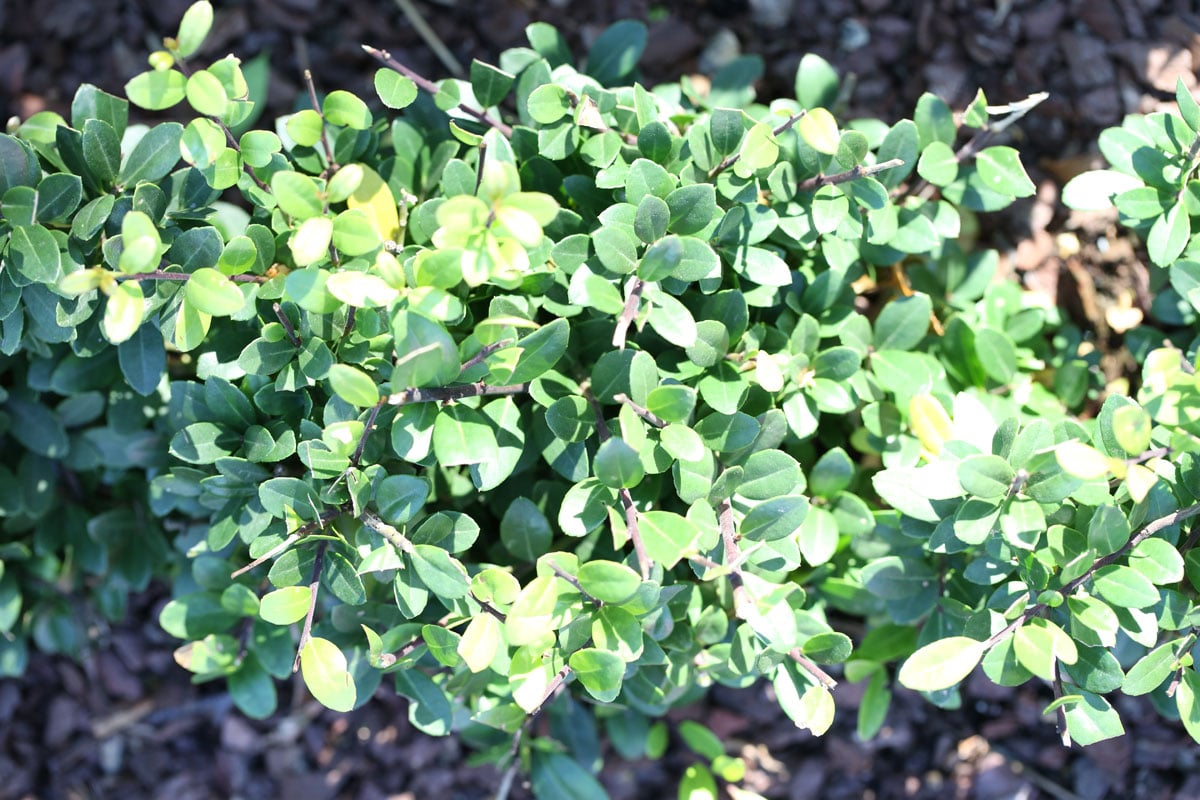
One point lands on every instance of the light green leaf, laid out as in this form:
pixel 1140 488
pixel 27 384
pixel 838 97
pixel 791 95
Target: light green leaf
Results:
pixel 323 667
pixel 353 385
pixel 213 293
pixel 941 664
pixel 285 606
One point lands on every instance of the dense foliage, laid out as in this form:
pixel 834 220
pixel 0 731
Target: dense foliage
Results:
pixel 551 381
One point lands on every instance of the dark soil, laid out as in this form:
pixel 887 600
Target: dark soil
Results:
pixel 127 723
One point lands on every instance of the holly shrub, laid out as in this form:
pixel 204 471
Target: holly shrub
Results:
pixel 546 391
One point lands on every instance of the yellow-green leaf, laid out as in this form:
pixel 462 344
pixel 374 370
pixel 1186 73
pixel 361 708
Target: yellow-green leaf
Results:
pixel 323 667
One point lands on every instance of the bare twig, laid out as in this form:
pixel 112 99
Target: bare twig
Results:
pixel 330 164
pixel 288 327
pixel 183 277
pixel 370 426
pixel 391 534
pixel 806 664
pixel 852 174
pixel 484 352
pixel 653 419
pixel 444 394
pixel 632 302
pixel 571 579
pixel 631 515
pixel 314 586
pixel 295 536
pixel 384 57
pixel 732 158
pixel 555 686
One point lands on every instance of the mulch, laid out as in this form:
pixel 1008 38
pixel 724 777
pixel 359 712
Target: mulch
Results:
pixel 126 722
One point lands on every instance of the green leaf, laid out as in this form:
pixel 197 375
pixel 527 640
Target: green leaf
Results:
pixel 941 664
pixel 1124 587
pixel 1091 719
pixel 529 618
pixel 1185 701
pixel 672 402
pixel 692 208
pixel 353 385
pixel 285 606
pixel 668 536
pixel 206 93
pixel 438 570
pixel 154 156
pixel 1168 236
pixel 617 464
pixel 615 53
pixel 323 667
pixel 560 776
pixel 938 164
pixel 988 477
pixel 820 130
pixel 608 582
pixel 123 312
pixel 143 359
pixel 548 103
pixel 157 90
pixel 1151 670
pixel 600 672
pixel 1096 189
pixel 816 82
pixel 305 127
pixel 903 322
pixel 524 530
pixel 395 90
pixel 1002 171
pixel 490 84
pixel 296 194
pixel 57 196
pixel 462 436
pixel 480 642
pixel 33 252
pixel 430 711
pixel 193 28
pixel 213 293
pixel 426 353
pixel 539 352
pixel 346 109
pixel 775 519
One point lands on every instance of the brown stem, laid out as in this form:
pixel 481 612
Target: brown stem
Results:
pixel 183 277
pixel 571 579
pixel 806 664
pixel 732 158
pixel 444 394
pixel 330 165
pixel 628 313
pixel 1148 530
pixel 370 426
pixel 652 418
pixel 295 536
pixel 288 327
pixel 314 586
pixel 852 174
pixel 385 58
pixel 484 352
pixel 391 534
pixel 631 516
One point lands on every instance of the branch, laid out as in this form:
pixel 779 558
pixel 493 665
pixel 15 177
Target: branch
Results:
pixel 385 58
pixel 628 313
pixel 314 586
pixel 397 539
pixel 631 517
pixel 555 686
pixel 653 419
pixel 183 277
pixel 571 579
pixel 370 426
pixel 812 669
pixel 484 352
pixel 288 327
pixel 853 174
pixel 295 536
pixel 732 159
pixel 1148 530
pixel 445 394
pixel 312 96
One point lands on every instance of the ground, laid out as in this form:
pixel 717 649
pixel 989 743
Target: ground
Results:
pixel 127 723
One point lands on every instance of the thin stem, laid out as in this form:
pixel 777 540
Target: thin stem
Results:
pixel 632 302
pixel 1148 530
pixel 183 277
pixel 397 539
pixel 314 586
pixel 555 686
pixel 484 352
pixel 480 163
pixel 445 394
pixel 650 417
pixel 295 536
pixel 370 426
pixel 732 159
pixel 385 58
pixel 806 664
pixel 288 327
pixel 430 37
pixel 571 579
pixel 852 174
pixel 330 164
pixel 631 515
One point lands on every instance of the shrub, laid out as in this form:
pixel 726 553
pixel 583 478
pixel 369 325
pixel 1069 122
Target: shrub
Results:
pixel 551 381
